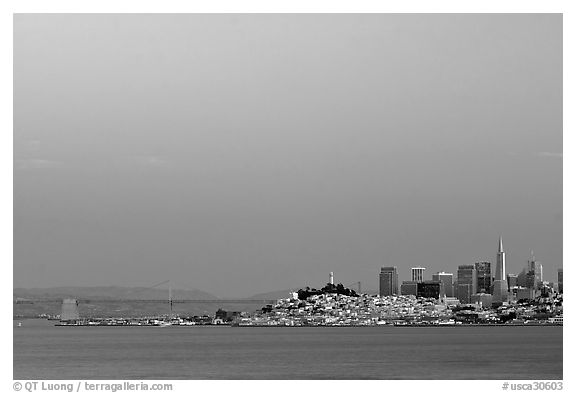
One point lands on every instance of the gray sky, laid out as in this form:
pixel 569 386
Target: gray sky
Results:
pixel 240 154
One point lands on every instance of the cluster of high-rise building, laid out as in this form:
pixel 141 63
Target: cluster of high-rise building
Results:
pixel 474 283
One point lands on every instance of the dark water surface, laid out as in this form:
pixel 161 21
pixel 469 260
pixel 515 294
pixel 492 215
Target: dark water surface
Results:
pixel 43 351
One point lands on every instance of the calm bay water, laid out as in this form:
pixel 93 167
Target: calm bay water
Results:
pixel 43 351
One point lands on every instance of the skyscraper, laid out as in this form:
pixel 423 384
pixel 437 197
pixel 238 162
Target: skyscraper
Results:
pixel 447 279
pixel 539 272
pixel 536 267
pixel 560 281
pixel 500 291
pixel 388 281
pixel 484 276
pixel 500 273
pixel 418 274
pixel 467 282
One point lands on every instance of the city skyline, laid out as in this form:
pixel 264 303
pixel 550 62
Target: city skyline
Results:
pixel 250 152
pixel 436 276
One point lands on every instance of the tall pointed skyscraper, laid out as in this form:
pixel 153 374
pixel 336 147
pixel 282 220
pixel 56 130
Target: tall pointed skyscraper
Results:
pixel 500 289
pixel 500 263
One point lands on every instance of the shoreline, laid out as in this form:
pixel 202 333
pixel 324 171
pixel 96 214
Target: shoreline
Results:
pixel 467 325
pixel 335 326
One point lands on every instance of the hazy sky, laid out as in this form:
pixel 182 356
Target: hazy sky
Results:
pixel 239 154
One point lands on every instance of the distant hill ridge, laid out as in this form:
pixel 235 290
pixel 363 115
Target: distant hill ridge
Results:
pixel 111 292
